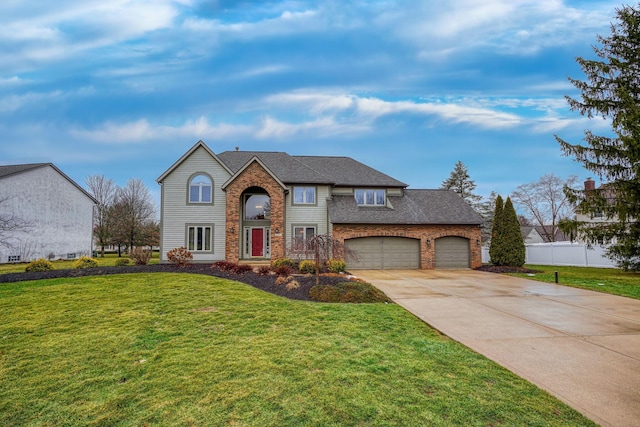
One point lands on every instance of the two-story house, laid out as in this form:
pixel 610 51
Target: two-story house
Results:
pixel 245 205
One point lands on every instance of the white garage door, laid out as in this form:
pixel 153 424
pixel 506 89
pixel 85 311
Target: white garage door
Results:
pixel 452 252
pixel 380 253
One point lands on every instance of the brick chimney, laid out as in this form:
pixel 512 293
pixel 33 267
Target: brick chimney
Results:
pixel 589 184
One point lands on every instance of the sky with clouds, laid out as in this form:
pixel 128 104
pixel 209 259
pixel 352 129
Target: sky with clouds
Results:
pixel 123 88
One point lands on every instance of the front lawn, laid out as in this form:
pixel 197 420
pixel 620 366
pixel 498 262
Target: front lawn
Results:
pixel 610 280
pixel 186 349
pixel 109 260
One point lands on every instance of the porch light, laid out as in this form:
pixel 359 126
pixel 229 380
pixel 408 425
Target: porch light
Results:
pixel 232 230
pixel 428 242
pixel 277 230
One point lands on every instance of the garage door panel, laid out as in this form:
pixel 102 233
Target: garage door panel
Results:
pixel 452 252
pixel 384 253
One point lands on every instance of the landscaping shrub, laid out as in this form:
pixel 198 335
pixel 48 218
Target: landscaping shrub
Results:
pixel 140 256
pixel 225 265
pixel 86 262
pixel 278 262
pixel 307 266
pixel 242 269
pixel 263 270
pixel 347 292
pixel 283 270
pixel 293 284
pixel 281 280
pixel 122 261
pixel 40 264
pixel 336 265
pixel 180 256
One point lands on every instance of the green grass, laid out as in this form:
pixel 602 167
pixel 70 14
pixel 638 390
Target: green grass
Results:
pixel 182 349
pixel 610 280
pixel 108 260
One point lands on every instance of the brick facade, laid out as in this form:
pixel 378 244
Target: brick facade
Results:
pixel 427 234
pixel 254 176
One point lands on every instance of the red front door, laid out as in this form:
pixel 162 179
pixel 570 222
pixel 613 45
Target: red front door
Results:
pixel 257 242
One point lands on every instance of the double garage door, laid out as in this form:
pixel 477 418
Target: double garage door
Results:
pixel 384 253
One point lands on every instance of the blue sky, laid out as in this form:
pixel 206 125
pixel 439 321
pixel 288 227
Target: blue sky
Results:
pixel 123 88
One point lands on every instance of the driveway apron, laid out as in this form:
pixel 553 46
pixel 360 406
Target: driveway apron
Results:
pixel 581 346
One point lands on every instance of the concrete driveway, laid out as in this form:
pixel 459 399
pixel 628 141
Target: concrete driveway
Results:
pixel 581 346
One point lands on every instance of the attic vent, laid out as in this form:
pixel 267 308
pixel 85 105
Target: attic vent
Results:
pixel 237 148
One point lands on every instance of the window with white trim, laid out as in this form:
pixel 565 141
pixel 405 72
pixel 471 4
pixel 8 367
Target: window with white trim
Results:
pixel 199 238
pixel 200 189
pixel 301 235
pixel 370 197
pixel 304 195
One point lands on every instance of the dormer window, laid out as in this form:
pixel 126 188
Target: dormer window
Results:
pixel 200 189
pixel 370 197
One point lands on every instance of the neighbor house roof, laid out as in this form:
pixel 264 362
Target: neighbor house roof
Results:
pixel 340 171
pixel 13 169
pixel 10 170
pixel 415 207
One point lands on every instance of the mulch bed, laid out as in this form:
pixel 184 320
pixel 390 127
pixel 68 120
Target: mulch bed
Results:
pixel 506 269
pixel 264 282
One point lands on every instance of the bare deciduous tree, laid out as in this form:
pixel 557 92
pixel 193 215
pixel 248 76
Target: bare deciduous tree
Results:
pixel 104 191
pixel 321 247
pixel 546 202
pixel 132 211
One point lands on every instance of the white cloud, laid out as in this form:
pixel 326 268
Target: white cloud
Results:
pixel 141 131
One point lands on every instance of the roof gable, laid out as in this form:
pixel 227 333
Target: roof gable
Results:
pixel 246 165
pixel 10 170
pixel 199 144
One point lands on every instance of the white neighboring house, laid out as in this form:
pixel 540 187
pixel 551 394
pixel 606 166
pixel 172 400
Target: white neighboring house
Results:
pixel 57 211
pixel 597 218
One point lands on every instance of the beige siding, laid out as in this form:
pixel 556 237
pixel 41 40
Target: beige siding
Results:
pixel 176 213
pixel 342 191
pixel 308 215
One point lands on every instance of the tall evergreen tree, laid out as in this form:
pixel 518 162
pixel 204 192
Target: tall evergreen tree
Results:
pixel 612 91
pixel 496 232
pixel 513 249
pixel 460 182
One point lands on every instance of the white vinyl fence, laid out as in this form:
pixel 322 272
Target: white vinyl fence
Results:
pixel 562 253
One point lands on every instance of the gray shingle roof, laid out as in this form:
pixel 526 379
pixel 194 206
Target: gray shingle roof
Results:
pixel 340 171
pixel 416 207
pixel 13 169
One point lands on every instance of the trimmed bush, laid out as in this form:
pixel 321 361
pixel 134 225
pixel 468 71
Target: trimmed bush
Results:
pixel 85 262
pixel 122 261
pixel 180 256
pixel 39 264
pixel 225 265
pixel 263 270
pixel 140 256
pixel 283 270
pixel 242 269
pixel 278 262
pixel 348 292
pixel 307 266
pixel 292 285
pixel 336 265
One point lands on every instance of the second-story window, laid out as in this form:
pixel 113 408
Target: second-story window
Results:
pixel 200 189
pixel 304 195
pixel 370 197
